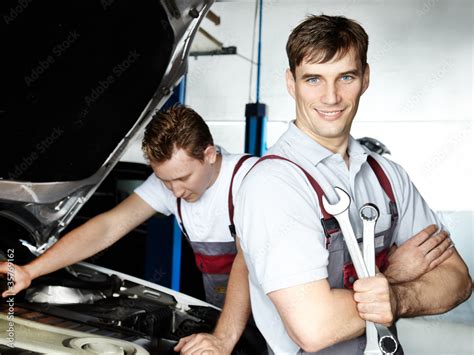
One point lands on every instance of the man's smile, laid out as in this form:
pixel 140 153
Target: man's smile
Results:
pixel 330 114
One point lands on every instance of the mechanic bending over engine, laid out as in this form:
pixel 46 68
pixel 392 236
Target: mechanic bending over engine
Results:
pixel 302 290
pixel 191 180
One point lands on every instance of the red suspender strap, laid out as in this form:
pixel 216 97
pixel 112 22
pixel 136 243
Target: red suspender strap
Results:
pixel 230 199
pixel 382 177
pixel 313 182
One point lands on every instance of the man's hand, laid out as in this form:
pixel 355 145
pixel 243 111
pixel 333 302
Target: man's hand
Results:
pixel 19 275
pixel 202 344
pixel 419 255
pixel 375 300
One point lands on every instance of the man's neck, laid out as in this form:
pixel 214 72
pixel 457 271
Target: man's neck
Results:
pixel 336 145
pixel 217 169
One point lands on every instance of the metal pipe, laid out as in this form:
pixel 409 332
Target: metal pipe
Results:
pixel 259 51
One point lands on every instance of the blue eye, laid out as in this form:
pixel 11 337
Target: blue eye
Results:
pixel 347 78
pixel 312 80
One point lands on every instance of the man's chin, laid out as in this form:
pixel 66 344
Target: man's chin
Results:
pixel 191 199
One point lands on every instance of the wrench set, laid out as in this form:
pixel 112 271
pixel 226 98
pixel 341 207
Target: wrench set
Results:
pixel 379 338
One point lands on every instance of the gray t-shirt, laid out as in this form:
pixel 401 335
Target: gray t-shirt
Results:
pixel 278 217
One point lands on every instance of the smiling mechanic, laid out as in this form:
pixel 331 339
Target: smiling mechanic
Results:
pixel 192 180
pixel 283 240
pixel 302 288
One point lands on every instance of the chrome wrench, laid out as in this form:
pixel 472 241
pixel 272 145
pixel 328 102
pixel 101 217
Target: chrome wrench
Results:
pixel 340 211
pixel 369 214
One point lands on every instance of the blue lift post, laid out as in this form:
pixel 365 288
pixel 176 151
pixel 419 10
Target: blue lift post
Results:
pixel 163 255
pixel 255 128
pixel 256 113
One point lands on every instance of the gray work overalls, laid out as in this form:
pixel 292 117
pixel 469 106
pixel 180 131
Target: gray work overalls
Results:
pixel 341 271
pixel 215 259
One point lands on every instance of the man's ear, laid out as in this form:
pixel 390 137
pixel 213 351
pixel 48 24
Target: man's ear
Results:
pixel 210 154
pixel 290 82
pixel 366 78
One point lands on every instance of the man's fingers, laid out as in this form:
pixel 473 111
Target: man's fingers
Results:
pixel 438 257
pixel 17 287
pixel 393 249
pixel 194 344
pixel 202 344
pixel 11 291
pixel 423 235
pixel 374 308
pixel 371 297
pixel 438 247
pixel 8 293
pixel 363 285
pixel 434 241
pixel 190 348
pixel 386 320
pixel 182 342
pixel 371 283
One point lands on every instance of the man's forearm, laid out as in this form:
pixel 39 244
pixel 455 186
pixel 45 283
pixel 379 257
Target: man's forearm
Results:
pixel 77 245
pixel 346 321
pixel 316 316
pixel 435 292
pixel 236 310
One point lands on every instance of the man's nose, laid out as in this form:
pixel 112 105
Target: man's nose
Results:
pixel 177 189
pixel 330 95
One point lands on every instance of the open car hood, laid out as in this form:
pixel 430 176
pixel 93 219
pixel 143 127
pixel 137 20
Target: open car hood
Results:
pixel 80 79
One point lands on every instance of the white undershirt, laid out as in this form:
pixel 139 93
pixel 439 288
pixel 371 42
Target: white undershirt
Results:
pixel 207 219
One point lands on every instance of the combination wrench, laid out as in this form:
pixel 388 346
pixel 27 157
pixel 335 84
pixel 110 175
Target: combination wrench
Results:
pixel 369 213
pixel 387 342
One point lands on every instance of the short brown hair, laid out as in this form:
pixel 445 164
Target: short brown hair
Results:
pixel 319 39
pixel 175 128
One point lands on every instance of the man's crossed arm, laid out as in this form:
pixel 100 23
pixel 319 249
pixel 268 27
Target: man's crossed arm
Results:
pixel 412 285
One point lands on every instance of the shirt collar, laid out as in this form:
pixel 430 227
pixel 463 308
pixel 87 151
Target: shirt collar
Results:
pixel 312 150
pixel 304 145
pixel 355 148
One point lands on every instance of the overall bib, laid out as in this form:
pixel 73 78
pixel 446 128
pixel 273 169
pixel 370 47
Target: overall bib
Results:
pixel 341 271
pixel 215 259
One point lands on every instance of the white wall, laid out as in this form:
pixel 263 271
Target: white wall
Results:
pixel 419 102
